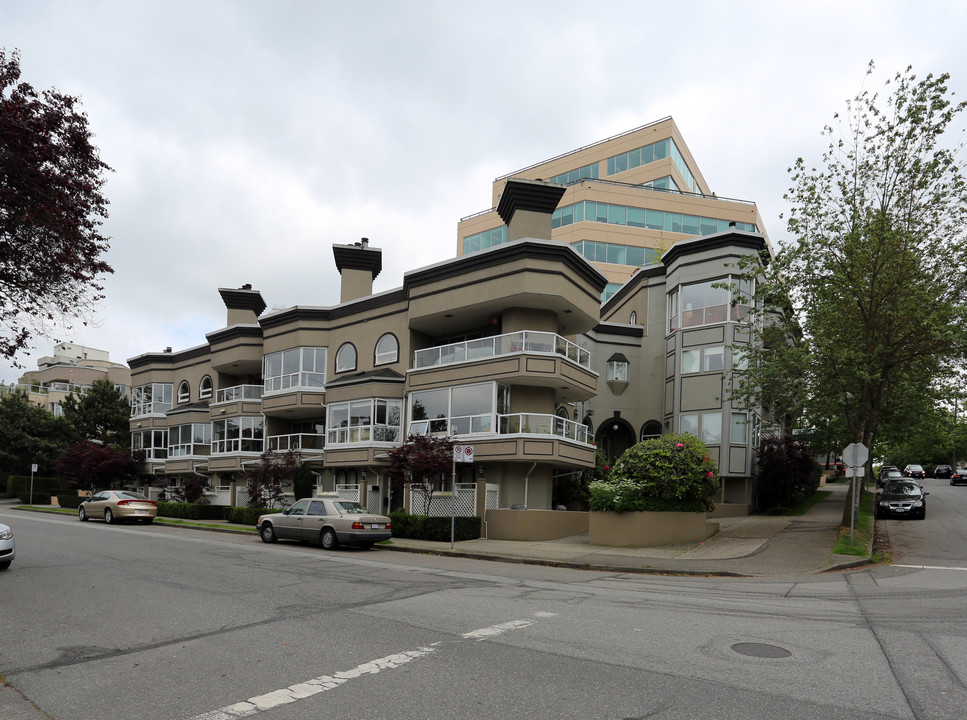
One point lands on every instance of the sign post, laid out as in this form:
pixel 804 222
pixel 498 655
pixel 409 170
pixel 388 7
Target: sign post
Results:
pixel 461 454
pixel 855 456
pixel 33 469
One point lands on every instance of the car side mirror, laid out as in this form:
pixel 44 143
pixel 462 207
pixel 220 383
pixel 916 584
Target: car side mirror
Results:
pixel 286 511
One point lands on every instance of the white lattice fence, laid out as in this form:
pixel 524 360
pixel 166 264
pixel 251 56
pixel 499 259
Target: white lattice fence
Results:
pixel 441 503
pixel 348 492
pixel 493 496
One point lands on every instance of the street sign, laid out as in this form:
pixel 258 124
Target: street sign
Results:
pixel 856 454
pixel 463 453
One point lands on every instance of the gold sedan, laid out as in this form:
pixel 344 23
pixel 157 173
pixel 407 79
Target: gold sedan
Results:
pixel 117 506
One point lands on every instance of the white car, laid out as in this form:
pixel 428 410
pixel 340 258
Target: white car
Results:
pixel 327 522
pixel 6 546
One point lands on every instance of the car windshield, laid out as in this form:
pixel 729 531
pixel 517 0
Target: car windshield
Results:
pixel 914 468
pixel 131 496
pixel 349 508
pixel 902 488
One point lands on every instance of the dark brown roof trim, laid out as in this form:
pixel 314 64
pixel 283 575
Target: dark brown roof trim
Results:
pixel 532 195
pixel 615 329
pixel 358 257
pixel 234 332
pixel 731 238
pixel 243 299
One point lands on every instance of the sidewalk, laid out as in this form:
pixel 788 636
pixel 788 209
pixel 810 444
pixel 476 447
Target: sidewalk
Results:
pixel 752 546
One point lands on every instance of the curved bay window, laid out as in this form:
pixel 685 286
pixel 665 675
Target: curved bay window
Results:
pixel 296 367
pixel 238 434
pixel 461 410
pixel 363 421
pixel 727 299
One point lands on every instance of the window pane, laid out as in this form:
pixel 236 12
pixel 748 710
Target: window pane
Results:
pixel 635 256
pixel 715 358
pixel 429 404
pixel 472 400
pixel 616 254
pixel 690 361
pixel 656 219
pixel 739 432
pixel 712 428
pixel 636 217
pixel 688 424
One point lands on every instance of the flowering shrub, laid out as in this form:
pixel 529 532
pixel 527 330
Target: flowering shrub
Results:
pixel 671 472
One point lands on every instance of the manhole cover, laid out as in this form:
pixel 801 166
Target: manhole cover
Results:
pixel 761 650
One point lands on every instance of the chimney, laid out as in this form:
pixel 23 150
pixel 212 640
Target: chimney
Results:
pixel 244 305
pixel 359 264
pixel 526 206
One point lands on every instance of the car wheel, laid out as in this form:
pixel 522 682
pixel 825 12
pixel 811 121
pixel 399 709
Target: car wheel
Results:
pixel 366 545
pixel 108 516
pixel 82 514
pixel 5 564
pixel 267 533
pixel 328 539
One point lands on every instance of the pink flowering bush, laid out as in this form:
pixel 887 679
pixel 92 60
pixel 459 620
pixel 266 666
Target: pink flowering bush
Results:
pixel 671 472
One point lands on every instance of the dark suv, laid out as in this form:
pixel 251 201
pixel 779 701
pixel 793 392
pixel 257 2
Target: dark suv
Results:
pixel 914 471
pixel 943 472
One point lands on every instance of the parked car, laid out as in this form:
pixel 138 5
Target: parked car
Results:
pixel 886 475
pixel 914 471
pixel 117 506
pixel 329 522
pixel 6 546
pixel 902 498
pixel 943 471
pixel 958 476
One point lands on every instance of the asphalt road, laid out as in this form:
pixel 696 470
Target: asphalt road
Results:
pixel 155 623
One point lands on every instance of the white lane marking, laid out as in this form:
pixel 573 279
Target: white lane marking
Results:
pixel 300 691
pixel 931 567
pixel 495 630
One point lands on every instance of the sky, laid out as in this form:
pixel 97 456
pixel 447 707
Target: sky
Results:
pixel 247 137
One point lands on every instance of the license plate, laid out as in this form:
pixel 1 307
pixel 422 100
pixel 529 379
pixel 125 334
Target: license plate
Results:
pixel 374 526
pixel 141 512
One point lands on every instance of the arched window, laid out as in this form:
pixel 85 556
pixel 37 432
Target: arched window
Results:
pixel 387 349
pixel 184 392
pixel 650 429
pixel 346 358
pixel 634 318
pixel 205 388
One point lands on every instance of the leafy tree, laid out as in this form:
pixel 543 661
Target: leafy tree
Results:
pixel 267 480
pixel 670 472
pixel 102 414
pixel 51 211
pixel 303 484
pixel 89 465
pixel 29 435
pixel 424 460
pixel 866 306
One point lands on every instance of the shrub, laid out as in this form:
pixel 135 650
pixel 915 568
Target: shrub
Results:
pixel 788 473
pixel 667 473
pixel 192 511
pixel 247 515
pixel 436 529
pixel 72 500
pixel 18 484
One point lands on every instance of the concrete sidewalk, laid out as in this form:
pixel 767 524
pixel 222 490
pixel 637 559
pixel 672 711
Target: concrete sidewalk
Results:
pixel 753 546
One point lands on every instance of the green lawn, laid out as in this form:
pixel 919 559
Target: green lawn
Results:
pixel 862 530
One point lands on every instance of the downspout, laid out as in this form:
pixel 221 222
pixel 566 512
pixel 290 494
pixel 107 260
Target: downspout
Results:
pixel 527 478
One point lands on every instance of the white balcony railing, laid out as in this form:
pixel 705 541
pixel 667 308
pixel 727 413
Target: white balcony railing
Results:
pixel 525 341
pixel 239 392
pixel 300 442
pixel 512 424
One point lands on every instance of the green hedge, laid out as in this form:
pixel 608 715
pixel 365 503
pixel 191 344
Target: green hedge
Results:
pixel 247 515
pixel 17 484
pixel 38 498
pixel 437 529
pixel 70 501
pixel 192 511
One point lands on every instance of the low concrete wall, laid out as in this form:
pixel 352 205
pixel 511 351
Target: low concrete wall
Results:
pixel 648 529
pixel 534 525
pixel 730 510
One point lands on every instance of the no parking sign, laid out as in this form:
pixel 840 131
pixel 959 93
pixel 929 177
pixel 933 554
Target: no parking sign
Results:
pixel 463 453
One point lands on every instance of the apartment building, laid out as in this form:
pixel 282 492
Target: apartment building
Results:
pixel 475 347
pixel 70 370
pixel 628 199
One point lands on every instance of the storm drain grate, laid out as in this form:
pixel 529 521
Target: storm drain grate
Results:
pixel 761 650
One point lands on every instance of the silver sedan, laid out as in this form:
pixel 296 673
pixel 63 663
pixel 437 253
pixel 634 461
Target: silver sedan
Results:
pixel 329 522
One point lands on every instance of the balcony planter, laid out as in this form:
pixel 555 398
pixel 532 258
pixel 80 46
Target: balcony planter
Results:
pixel 648 528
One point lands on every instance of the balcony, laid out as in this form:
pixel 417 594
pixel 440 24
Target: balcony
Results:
pixel 238 393
pixel 305 443
pixel 359 434
pixel 525 341
pixel 470 426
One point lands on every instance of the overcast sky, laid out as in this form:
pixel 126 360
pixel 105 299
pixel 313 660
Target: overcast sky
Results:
pixel 249 137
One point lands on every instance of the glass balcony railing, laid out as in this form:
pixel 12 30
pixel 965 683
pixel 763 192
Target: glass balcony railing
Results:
pixel 239 392
pixel 513 424
pixel 525 341
pixel 540 424
pixel 363 434
pixel 304 442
